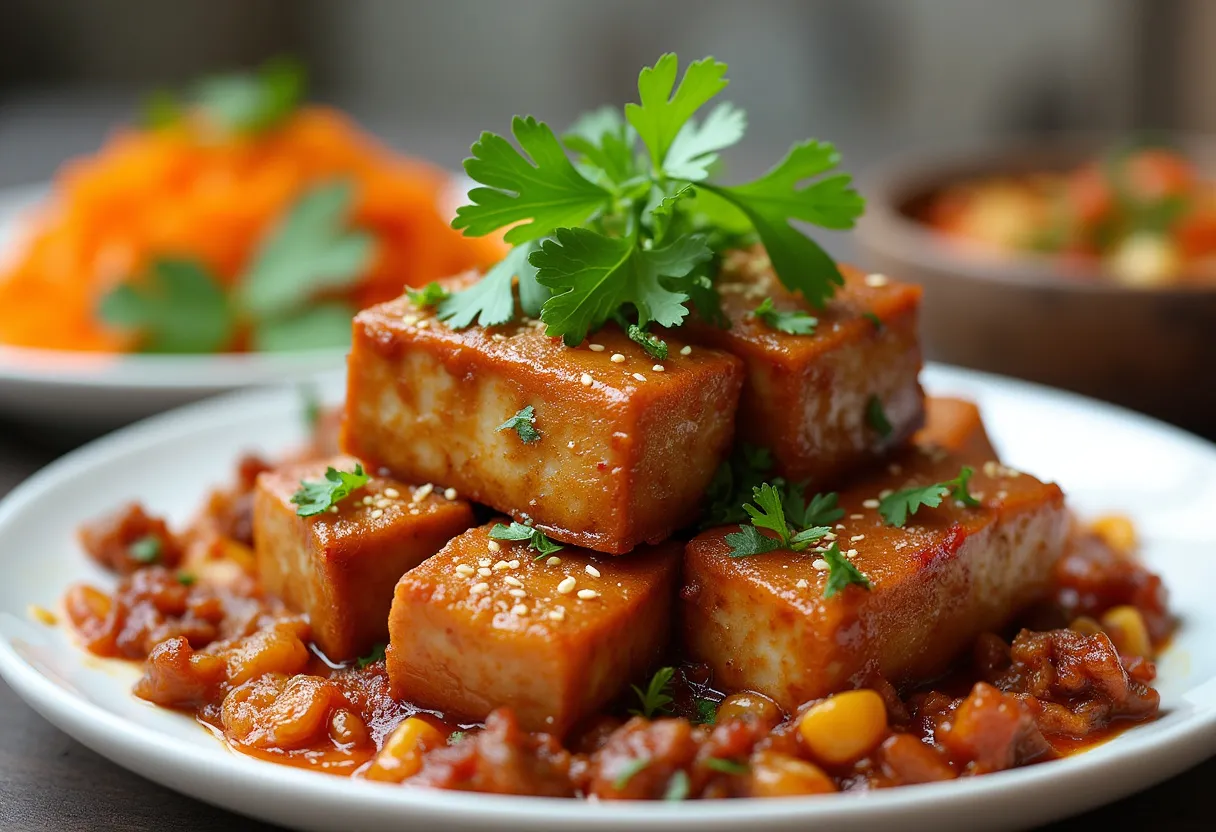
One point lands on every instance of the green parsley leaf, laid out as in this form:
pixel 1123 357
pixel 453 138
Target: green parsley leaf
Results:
pixel 821 510
pixel 523 424
pixel 655 699
pixel 628 771
pixel 546 190
pixel 662 114
pixel 677 786
pixel 314 497
pixel 695 148
pixel 806 537
pixel 592 276
pixel 377 655
pixel 705 711
pixel 490 301
pixel 146 549
pixel 727 766
pixel 252 102
pixel 747 467
pixel 795 322
pixel 879 326
pixel 537 539
pixel 841 572
pixel 877 419
pixel 177 307
pixel 776 198
pixel 773 504
pixel 311 250
pixel 314 327
pixel 655 346
pixel 456 736
pixel 768 512
pixel 897 507
pixel 604 142
pixel 186 579
pixel 432 294
pixel 748 541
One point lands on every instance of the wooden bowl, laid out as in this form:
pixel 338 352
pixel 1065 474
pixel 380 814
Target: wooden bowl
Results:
pixel 1153 350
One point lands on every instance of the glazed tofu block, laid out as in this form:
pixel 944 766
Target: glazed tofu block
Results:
pixel 956 425
pixel 762 622
pixel 340 567
pixel 808 397
pixel 482 625
pixel 621 446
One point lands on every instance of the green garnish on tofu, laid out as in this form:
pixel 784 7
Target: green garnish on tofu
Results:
pixel 897 507
pixel 792 323
pixel 705 711
pixel 603 232
pixel 317 496
pixel 655 699
pixel 841 572
pixel 725 766
pixel 769 512
pixel 146 549
pixel 877 419
pixel 377 655
pixel 432 294
pixel 518 532
pixel 524 424
pixel 747 467
pixel 629 771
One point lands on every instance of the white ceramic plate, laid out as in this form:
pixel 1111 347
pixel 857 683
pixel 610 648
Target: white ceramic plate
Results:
pixel 1107 459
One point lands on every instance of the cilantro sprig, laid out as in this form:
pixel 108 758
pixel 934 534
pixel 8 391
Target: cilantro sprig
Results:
pixel 605 233
pixel 376 655
pixel 841 572
pixel 733 482
pixel 655 699
pixel 897 507
pixel 524 425
pixel 536 539
pixel 876 418
pixel 316 496
pixel 796 322
pixel 769 513
pixel 237 103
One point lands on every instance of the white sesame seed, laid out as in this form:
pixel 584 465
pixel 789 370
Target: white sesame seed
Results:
pixel 423 324
pixel 659 368
pixel 852 553
pixel 802 584
pixel 377 514
pixel 840 526
pixel 415 511
pixel 857 537
pixel 558 614
pixel 517 593
pixel 367 501
pixel 410 320
pixel 392 493
pixel 484 562
pixel 686 351
pixel 877 281
pixel 885 493
pixel 449 493
pixel 494 546
pixel 464 569
pixel 585 379
pixel 829 536
pixel 477 589
pixel 587 594
pixel 513 581
pixel 333 509
pixel 553 560
pixel 383 503
pixel 871 503
pixel 592 571
pixel 617 358
pixel 857 517
pixel 485 572
pixel 639 376
pixel 567 586
pixel 596 347
pixel 820 564
pixel 512 564
pixel 423 492
pixel 1001 495
pixel 498 336
pixel 570 444
pixel 519 609
pixel 499 566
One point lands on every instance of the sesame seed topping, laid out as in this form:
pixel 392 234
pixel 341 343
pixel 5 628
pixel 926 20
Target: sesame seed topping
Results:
pixel 519 609
pixel 802 584
pixel 367 501
pixel 512 564
pixel 596 347
pixel 639 376
pixel 558 614
pixel 857 517
pixel 484 562
pixel 592 571
pixel 464 569
pixel 449 493
pixel 852 553
pixel 570 444
pixel 513 581
pixel 477 589
pixel 617 358
pixel 877 281
pixel 484 572
pixel 871 503
pixel 423 324
pixel 392 493
pixel 383 503
pixel 585 379
pixel 553 560
pixel 587 594
pixel 857 537
pixel 840 526
pixel 377 514
pixel 499 566
pixel 410 320
pixel 517 593
pixel 415 511
pixel 567 586
pixel 686 351
pixel 333 509
pixel 820 564
pixel 498 336
pixel 423 492
pixel 1000 495
pixel 885 493
pixel 494 546
pixel 658 368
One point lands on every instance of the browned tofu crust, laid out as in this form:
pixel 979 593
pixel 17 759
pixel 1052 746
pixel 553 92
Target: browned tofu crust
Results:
pixel 340 568
pixel 762 623
pixel 476 628
pixel 627 444
pixel 957 426
pixel 806 397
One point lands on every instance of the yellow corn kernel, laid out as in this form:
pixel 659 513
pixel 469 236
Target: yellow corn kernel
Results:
pixel 845 727
pixel 1117 531
pixel 780 775
pixel 1085 625
pixel 401 756
pixel 749 705
pixel 1125 626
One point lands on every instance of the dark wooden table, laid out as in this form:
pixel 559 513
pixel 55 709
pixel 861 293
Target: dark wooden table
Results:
pixel 51 782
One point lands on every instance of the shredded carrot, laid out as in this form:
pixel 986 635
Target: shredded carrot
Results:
pixel 175 192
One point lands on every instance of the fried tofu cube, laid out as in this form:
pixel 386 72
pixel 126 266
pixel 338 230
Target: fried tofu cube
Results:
pixel 477 627
pixel 340 567
pixel 809 398
pixel 762 622
pixel 626 445
pixel 957 426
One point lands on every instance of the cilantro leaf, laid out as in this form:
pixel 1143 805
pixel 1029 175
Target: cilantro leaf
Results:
pixel 490 301
pixel 604 142
pixel 655 346
pixel 677 787
pixel 314 497
pixel 706 300
pixel 877 419
pixel 655 699
pixel 311 250
pixel 776 198
pixel 821 510
pixel 795 322
pixel 186 579
pixel 808 536
pixel 726 766
pixel 748 541
pixel 176 307
pixel 321 325
pixel 546 190
pixel 879 326
pixel 252 102
pixel 377 655
pixel 733 482
pixel 841 572
pixel 662 114
pixel 628 771
pixel 456 736
pixel 897 507
pixel 432 294
pixel 523 423
pixel 768 512
pixel 695 148
pixel 146 549
pixel 662 208
pixel 705 711
pixel 592 276
pixel 536 539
